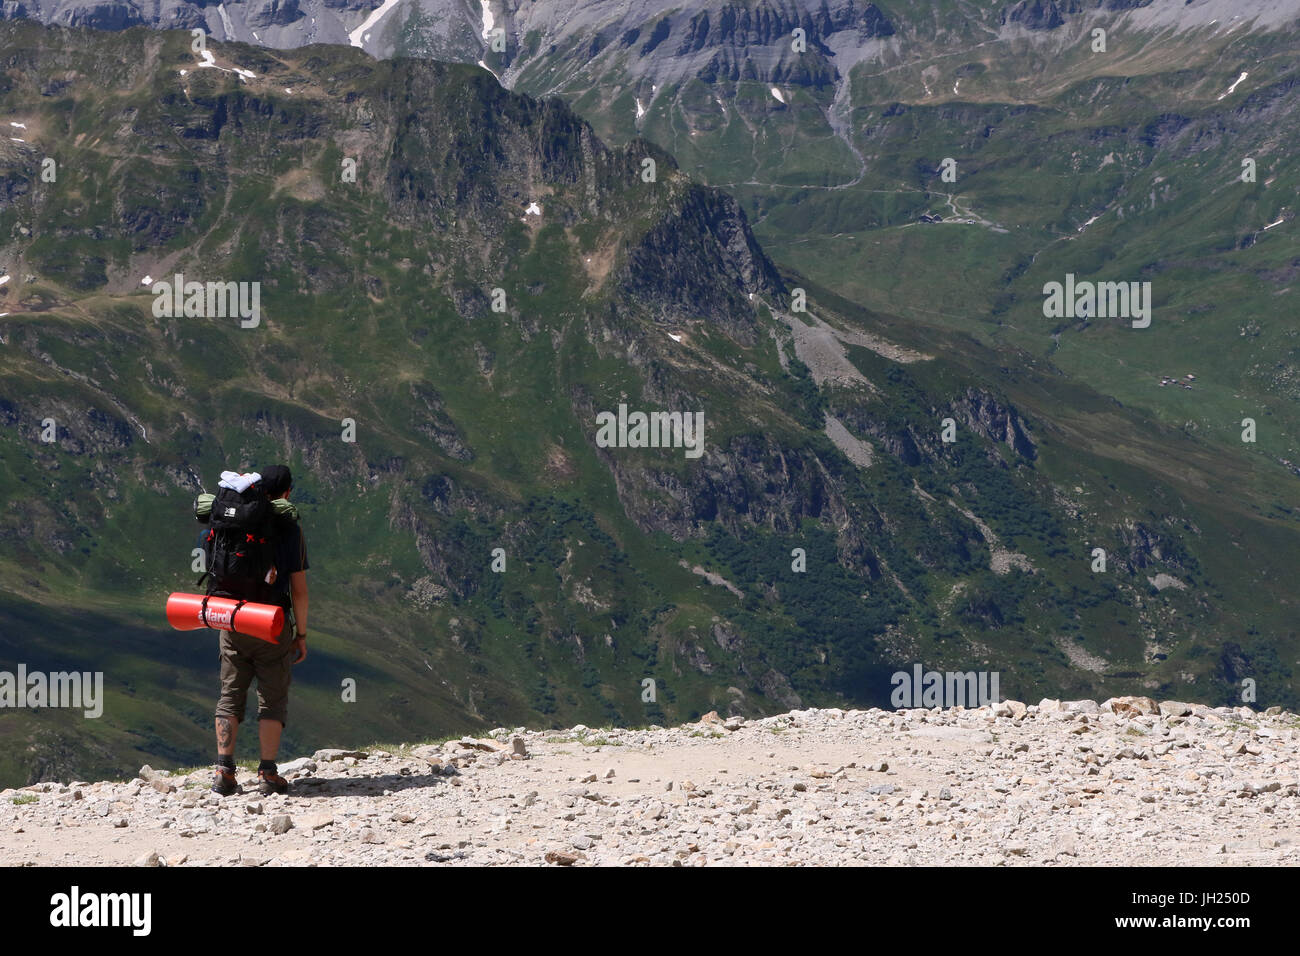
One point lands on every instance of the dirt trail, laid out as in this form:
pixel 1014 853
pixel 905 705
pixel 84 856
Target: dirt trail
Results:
pixel 1002 785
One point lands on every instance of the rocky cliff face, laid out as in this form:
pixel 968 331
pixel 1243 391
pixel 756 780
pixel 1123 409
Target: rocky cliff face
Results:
pixel 681 277
pixel 716 42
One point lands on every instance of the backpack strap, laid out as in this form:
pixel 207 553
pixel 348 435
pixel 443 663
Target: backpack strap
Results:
pixel 207 572
pixel 203 612
pixel 237 609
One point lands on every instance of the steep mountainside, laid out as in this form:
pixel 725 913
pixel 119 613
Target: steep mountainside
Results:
pixel 456 285
pixel 1112 157
pixel 1014 142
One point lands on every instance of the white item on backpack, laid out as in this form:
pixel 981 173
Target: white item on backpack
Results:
pixel 238 482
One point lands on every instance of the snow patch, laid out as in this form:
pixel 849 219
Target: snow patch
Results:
pixel 225 22
pixel 1244 74
pixel 17 125
pixel 533 210
pixel 209 61
pixel 640 110
pixel 675 337
pixel 362 33
pixel 488 19
pixel 147 280
pixel 777 94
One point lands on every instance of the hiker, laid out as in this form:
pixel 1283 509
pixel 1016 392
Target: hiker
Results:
pixel 255 552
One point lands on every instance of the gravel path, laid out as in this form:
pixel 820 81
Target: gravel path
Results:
pixel 1125 782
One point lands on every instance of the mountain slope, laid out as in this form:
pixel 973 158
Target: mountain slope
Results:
pixel 493 282
pixel 1116 158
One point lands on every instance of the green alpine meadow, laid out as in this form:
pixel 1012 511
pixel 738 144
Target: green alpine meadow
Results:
pixel 863 445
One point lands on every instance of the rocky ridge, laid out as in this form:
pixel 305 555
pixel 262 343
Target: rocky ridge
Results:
pixel 1129 780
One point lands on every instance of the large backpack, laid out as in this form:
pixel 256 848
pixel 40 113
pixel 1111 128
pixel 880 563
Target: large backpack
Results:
pixel 238 550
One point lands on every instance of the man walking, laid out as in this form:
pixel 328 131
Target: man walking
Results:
pixel 244 658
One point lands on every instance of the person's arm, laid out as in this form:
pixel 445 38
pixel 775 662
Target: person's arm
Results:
pixel 298 594
pixel 298 589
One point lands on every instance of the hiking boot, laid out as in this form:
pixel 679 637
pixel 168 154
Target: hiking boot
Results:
pixel 225 783
pixel 268 782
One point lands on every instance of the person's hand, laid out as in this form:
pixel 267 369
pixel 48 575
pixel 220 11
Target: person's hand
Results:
pixel 299 649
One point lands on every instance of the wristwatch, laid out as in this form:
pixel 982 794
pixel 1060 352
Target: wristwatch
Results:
pixel 300 637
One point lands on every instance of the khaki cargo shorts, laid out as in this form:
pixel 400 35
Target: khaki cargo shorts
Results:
pixel 244 658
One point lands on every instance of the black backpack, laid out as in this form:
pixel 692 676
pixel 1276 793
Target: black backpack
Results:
pixel 238 550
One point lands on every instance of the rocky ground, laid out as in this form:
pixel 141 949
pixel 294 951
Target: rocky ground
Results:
pixel 1128 781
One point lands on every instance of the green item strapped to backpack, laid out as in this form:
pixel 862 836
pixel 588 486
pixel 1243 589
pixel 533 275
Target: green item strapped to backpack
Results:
pixel 282 506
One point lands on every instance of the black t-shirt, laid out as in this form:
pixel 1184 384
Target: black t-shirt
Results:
pixel 290 556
